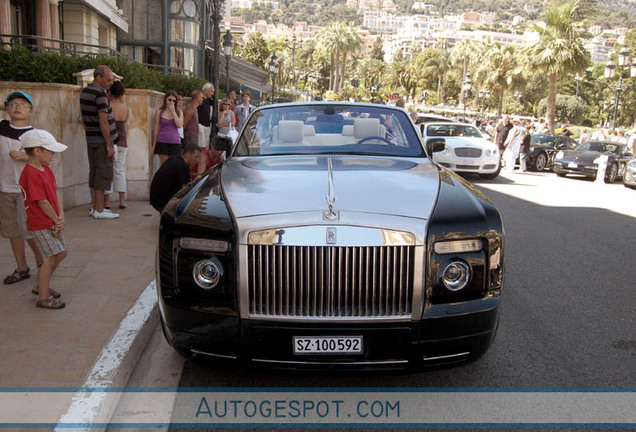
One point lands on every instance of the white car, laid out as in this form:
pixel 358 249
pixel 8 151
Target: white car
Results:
pixel 467 151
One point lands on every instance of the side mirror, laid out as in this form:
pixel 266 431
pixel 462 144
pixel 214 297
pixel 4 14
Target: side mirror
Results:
pixel 222 143
pixel 435 145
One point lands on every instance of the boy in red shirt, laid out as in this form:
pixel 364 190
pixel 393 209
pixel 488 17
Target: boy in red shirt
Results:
pixel 45 213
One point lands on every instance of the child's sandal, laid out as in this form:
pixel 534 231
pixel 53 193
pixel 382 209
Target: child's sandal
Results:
pixel 50 303
pixel 52 293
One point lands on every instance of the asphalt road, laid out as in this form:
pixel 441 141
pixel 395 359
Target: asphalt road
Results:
pixel 568 314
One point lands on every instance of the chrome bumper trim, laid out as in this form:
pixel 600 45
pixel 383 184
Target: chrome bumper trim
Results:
pixel 196 351
pixel 446 356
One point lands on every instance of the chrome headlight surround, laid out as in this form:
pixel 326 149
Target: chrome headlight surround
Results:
pixel 208 273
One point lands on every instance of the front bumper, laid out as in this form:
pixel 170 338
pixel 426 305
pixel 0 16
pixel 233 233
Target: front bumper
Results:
pixel 467 165
pixel 446 334
pixel 584 170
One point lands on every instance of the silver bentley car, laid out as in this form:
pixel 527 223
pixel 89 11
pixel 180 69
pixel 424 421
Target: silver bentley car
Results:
pixel 329 239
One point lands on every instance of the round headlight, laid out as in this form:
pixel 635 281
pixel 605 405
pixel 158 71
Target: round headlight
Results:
pixel 559 155
pixel 456 275
pixel 207 273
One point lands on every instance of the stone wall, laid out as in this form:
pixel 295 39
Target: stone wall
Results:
pixel 57 110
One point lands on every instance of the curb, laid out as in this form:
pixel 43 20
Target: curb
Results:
pixel 113 367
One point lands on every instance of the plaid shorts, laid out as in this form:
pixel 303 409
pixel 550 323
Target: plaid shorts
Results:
pixel 49 245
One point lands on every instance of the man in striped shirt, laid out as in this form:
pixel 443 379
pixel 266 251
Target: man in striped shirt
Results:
pixel 101 137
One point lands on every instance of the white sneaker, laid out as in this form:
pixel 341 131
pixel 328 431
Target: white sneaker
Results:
pixel 105 215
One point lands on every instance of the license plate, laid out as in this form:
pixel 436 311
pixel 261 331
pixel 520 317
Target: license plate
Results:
pixel 327 344
pixel 572 165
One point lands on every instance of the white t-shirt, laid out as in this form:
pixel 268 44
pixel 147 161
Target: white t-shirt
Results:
pixel 10 169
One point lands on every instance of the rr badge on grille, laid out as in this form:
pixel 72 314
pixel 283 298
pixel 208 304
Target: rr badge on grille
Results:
pixel 331 235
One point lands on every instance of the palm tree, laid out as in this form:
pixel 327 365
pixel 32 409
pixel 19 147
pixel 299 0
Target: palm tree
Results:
pixel 498 69
pixel 350 43
pixel 559 50
pixel 438 66
pixel 340 40
pixel 461 56
pixel 328 41
pixel 370 71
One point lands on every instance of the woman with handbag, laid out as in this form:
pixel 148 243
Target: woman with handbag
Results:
pixel 227 120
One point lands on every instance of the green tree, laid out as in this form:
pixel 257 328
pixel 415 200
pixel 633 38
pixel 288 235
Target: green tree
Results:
pixel 560 50
pixel 340 40
pixel 438 66
pixel 370 71
pixel 497 69
pixel 254 50
pixel 377 52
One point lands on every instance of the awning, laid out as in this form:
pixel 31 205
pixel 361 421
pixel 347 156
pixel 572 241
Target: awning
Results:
pixel 243 73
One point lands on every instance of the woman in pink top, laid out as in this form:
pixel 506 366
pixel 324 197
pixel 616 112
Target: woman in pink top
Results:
pixel 166 141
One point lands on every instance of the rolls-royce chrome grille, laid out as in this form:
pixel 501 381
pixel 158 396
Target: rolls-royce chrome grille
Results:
pixel 468 152
pixel 330 282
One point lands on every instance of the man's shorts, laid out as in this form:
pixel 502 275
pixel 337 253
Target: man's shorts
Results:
pixel 100 167
pixel 48 244
pixel 204 137
pixel 13 216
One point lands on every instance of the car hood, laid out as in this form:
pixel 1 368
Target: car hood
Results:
pixel 256 186
pixel 581 156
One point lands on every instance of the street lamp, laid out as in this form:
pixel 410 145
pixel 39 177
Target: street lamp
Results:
pixel 227 49
pixel 465 89
pixel 578 79
pixel 623 64
pixel 484 95
pixel 273 71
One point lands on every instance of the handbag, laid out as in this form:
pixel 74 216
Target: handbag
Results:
pixel 233 134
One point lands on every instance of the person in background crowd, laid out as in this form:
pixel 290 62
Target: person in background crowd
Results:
pixel 209 159
pixel 243 110
pixel 45 212
pixel 191 119
pixel 13 219
pixel 525 147
pixel 599 134
pixel 227 119
pixel 173 174
pixel 413 115
pixel 585 136
pixel 621 138
pixel 631 142
pixel 400 103
pixel 613 136
pixel 204 111
pixel 513 145
pixel 490 128
pixel 120 112
pixel 180 108
pixel 166 141
pixel 101 138
pixel 501 132
pixel 566 132
pixel 232 97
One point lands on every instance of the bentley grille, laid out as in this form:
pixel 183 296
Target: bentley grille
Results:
pixel 330 282
pixel 468 152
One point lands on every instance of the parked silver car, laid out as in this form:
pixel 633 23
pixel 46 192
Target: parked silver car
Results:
pixel 328 239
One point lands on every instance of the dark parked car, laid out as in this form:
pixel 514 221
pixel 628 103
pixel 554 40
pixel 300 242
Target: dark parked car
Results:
pixel 629 179
pixel 584 159
pixel 543 147
pixel 347 248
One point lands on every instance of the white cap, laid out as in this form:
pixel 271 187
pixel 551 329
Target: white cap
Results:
pixel 41 138
pixel 516 119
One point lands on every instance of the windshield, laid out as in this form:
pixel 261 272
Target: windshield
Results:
pixel 452 130
pixel 543 139
pixel 359 129
pixel 597 147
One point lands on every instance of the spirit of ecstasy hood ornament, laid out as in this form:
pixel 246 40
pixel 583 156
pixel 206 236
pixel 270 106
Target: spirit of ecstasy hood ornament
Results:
pixel 331 214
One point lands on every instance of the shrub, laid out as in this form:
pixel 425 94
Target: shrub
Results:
pixel 20 63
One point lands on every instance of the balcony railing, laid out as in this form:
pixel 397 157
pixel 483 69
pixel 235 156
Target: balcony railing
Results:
pixel 74 49
pixel 42 44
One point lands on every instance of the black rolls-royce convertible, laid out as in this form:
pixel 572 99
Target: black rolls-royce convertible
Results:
pixel 329 239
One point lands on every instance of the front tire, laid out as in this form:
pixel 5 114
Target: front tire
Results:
pixel 612 174
pixel 540 162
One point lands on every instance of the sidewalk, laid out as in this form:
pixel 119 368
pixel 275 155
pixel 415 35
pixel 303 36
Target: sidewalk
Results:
pixel 109 265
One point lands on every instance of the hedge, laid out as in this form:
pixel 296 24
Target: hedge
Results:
pixel 22 64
